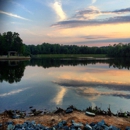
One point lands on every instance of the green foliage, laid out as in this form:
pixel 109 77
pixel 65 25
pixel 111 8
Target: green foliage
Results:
pixel 10 42
pixel 119 50
pixel 47 48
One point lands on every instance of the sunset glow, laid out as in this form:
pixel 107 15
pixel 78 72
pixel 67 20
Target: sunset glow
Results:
pixel 91 23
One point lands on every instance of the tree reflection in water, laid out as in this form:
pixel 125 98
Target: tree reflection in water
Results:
pixel 55 62
pixel 13 71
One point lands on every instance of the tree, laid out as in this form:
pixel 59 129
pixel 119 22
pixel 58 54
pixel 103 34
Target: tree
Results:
pixel 10 42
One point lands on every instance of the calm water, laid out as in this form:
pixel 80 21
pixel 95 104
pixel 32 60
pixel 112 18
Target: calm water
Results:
pixel 47 83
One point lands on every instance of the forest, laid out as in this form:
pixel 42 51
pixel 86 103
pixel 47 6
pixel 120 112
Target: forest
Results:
pixel 10 41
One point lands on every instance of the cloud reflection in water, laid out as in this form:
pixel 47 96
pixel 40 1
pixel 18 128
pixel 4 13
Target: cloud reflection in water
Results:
pixel 12 92
pixel 93 90
pixel 60 95
pixel 93 94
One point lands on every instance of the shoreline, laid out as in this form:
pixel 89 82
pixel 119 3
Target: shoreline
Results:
pixel 49 119
pixel 14 58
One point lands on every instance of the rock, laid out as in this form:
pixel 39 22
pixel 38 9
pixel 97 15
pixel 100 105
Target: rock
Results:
pixel 10 127
pixel 33 122
pixel 77 124
pixel 30 114
pixel 59 110
pixel 69 110
pixel 9 122
pixel 65 128
pixel 127 128
pixel 97 127
pixel 100 126
pixel 92 124
pixel 73 128
pixel 0 125
pixel 101 123
pixel 24 125
pixel 113 128
pixel 60 124
pixel 72 121
pixel 31 125
pixel 90 113
pixel 16 116
pixel 87 127
pixel 64 123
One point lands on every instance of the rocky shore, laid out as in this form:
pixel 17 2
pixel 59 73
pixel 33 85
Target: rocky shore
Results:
pixel 69 119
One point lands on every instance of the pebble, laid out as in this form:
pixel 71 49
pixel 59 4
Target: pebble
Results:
pixel 31 125
pixel 0 125
pixel 87 127
pixel 127 128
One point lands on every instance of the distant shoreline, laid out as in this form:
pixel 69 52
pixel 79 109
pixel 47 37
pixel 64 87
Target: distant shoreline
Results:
pixel 69 56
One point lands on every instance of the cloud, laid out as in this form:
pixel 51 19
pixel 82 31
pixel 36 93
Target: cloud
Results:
pixel 121 11
pixel 81 23
pixel 91 37
pixel 105 40
pixel 87 17
pixel 60 95
pixel 13 15
pixel 57 6
pixel 94 1
pixel 90 13
pixel 21 6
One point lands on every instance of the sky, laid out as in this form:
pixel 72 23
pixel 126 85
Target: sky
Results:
pixel 67 22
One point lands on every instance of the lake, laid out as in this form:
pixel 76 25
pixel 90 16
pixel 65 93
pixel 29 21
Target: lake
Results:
pixel 48 83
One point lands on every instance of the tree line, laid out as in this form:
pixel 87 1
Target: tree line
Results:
pixel 46 48
pixel 12 42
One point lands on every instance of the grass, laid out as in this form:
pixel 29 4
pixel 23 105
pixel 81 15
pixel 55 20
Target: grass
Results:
pixel 70 56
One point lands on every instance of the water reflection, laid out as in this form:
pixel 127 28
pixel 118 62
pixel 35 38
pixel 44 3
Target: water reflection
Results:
pixel 56 62
pixel 12 92
pixel 60 95
pixel 11 71
pixel 47 83
pixel 93 93
pixel 94 84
